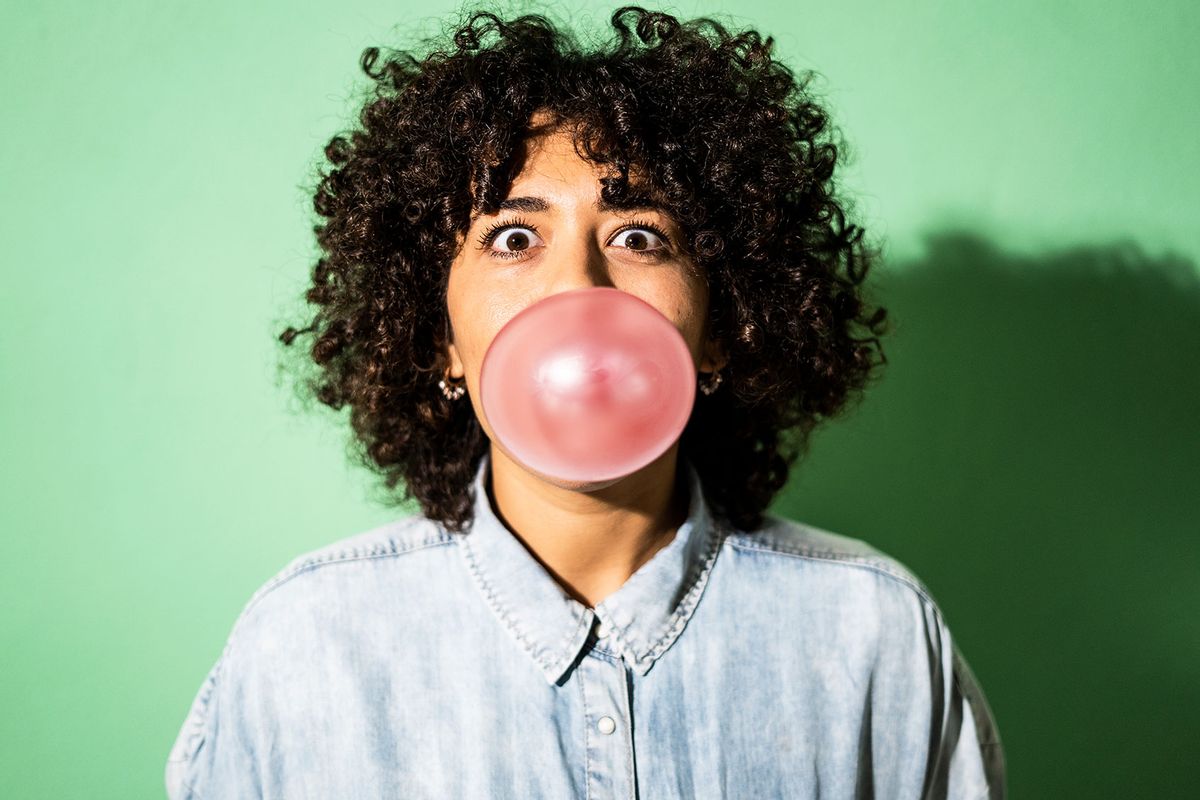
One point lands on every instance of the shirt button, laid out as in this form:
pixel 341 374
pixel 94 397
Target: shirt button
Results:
pixel 602 631
pixel 606 725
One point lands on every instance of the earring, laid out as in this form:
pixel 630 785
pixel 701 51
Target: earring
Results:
pixel 712 384
pixel 452 392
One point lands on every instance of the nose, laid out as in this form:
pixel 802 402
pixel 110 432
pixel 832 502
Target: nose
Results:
pixel 576 261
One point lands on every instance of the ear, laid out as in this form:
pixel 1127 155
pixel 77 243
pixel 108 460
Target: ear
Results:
pixel 450 351
pixel 456 366
pixel 715 357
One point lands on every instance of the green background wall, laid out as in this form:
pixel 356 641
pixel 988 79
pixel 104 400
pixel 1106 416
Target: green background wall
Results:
pixel 1031 452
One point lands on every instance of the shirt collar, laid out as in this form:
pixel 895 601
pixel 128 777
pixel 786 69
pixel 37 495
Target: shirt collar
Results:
pixel 644 616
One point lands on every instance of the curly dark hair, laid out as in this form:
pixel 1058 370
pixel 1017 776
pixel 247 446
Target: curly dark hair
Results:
pixel 730 140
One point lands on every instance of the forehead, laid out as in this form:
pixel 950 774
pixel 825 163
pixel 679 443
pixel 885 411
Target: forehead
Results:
pixel 543 180
pixel 550 148
pixel 551 156
pixel 547 163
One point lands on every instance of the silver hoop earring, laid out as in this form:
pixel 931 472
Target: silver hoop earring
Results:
pixel 712 384
pixel 452 392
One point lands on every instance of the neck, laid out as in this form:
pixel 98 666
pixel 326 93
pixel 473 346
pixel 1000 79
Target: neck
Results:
pixel 591 538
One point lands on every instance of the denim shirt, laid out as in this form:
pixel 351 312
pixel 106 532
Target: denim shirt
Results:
pixel 409 661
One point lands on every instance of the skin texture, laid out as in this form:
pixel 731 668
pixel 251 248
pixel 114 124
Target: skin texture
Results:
pixel 590 536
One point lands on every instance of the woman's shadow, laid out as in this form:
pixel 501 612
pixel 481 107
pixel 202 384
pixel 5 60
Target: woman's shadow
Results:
pixel 1032 452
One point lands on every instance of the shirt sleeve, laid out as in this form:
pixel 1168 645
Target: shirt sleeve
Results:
pixel 185 753
pixel 966 757
pixel 212 756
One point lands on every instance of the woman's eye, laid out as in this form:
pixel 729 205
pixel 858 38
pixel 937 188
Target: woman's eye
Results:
pixel 511 241
pixel 641 240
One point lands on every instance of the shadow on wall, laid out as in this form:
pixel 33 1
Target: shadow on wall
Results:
pixel 1032 452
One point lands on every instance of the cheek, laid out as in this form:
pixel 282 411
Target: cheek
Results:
pixel 687 312
pixel 691 310
pixel 694 322
pixel 478 315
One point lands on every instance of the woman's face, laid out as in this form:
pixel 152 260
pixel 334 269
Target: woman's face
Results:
pixel 560 240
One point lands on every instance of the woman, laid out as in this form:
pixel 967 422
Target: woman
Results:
pixel 659 635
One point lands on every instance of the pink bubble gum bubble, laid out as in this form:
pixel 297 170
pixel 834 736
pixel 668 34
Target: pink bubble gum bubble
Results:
pixel 587 385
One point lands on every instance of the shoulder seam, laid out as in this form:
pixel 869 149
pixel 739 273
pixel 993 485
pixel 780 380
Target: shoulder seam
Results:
pixel 327 555
pixel 878 564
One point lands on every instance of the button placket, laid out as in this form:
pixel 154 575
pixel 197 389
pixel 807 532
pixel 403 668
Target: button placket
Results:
pixel 608 735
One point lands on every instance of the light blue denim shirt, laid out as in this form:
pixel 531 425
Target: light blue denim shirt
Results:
pixel 411 662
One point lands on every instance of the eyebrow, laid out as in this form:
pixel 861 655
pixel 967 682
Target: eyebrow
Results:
pixel 636 204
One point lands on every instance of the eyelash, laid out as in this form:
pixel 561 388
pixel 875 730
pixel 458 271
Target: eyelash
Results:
pixel 488 236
